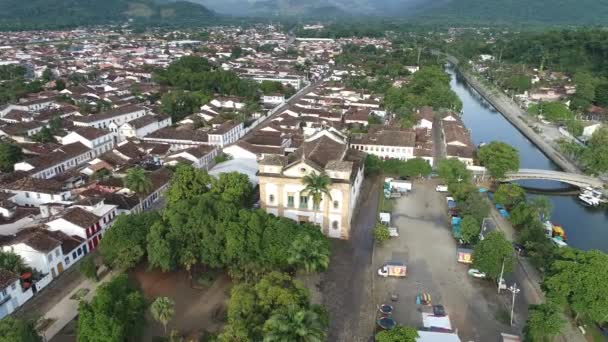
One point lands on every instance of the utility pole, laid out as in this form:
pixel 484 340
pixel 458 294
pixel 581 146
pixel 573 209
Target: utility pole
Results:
pixel 514 290
pixel 502 270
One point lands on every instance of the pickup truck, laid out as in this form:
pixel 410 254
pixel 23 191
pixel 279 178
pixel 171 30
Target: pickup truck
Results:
pixel 393 269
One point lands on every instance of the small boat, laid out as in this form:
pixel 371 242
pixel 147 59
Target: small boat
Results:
pixel 559 232
pixel 589 200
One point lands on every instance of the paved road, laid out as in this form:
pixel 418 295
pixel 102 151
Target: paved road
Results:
pixel 346 287
pixel 279 109
pixel 439 149
pixel 426 245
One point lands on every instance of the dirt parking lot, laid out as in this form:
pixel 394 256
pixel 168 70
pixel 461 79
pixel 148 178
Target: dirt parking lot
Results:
pixel 425 244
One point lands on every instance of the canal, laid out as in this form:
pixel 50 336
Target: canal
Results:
pixel 586 228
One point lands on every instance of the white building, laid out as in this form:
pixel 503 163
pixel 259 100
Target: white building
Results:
pixel 274 99
pixel 142 126
pixel 226 133
pixel 32 192
pixel 12 294
pixel 64 158
pixel 200 157
pixel 118 116
pixel 386 144
pixel 97 140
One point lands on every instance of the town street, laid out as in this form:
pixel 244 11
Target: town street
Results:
pixel 346 286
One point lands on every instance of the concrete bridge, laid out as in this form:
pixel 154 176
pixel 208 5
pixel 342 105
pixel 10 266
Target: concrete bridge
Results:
pixel 565 177
pixel 574 179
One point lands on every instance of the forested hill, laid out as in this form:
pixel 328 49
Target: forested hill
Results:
pixel 575 12
pixel 42 14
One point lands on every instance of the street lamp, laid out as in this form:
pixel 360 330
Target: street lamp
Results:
pixel 514 290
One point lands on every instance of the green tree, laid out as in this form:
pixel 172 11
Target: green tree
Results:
pixel 416 167
pixel 499 158
pixel 577 278
pixel 162 310
pixel 489 254
pixel 469 230
pixel 312 255
pixel 521 214
pixel 124 245
pixel 47 75
pixel 88 268
pixel 12 262
pixel 138 181
pixel 509 195
pixel 542 206
pixel 601 95
pixel 544 322
pixel 474 205
pixel 381 233
pixel 585 90
pixel 9 155
pixel 60 84
pixel 453 171
pixel 251 305
pixel 44 136
pixel 373 165
pixel 13 330
pixel 294 324
pixel 316 185
pixel 116 313
pixel 233 187
pixel 187 183
pixel 179 104
pixel 595 156
pixel 398 334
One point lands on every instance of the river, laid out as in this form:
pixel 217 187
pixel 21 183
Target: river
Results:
pixel 586 228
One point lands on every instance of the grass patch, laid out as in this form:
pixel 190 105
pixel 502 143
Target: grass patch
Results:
pixel 503 316
pixel 80 294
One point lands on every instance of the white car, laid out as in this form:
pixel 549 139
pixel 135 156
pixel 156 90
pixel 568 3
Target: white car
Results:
pixel 475 273
pixel 441 188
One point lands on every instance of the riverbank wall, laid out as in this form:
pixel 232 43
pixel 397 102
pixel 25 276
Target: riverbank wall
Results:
pixel 515 116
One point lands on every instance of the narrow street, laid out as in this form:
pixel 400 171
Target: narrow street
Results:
pixel 347 285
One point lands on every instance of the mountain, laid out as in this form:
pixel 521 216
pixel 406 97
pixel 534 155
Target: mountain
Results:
pixel 25 14
pixel 574 12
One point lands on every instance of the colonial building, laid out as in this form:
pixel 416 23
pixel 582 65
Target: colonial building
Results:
pixel 281 186
pixel 386 144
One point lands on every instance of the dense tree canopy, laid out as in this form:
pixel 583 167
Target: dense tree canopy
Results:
pixel 253 305
pixel 124 245
pixel 552 111
pixel 489 254
pixel 13 329
pixel 499 158
pixel 595 156
pixel 469 229
pixel 509 195
pixel 544 321
pixel 116 313
pixel 577 278
pixel 196 74
pixel 430 86
pixel 453 171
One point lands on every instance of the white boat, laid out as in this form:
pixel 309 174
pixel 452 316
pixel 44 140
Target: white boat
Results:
pixel 589 200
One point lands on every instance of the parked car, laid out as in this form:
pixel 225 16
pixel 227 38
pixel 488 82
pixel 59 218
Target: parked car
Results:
pixel 520 249
pixel 475 273
pixel 441 188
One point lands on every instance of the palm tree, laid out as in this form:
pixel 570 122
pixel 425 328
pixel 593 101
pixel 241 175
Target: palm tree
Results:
pixel 295 325
pixel 162 310
pixel 138 181
pixel 311 255
pixel 316 184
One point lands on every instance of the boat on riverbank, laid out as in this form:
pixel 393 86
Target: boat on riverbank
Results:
pixel 591 197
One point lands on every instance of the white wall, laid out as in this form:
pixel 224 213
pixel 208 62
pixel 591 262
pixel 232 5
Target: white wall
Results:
pixel 35 199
